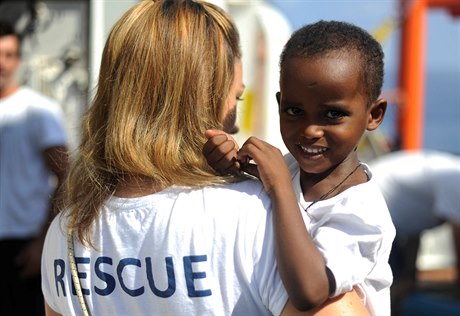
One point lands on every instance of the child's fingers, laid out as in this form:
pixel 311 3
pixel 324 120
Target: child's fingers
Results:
pixel 220 151
pixel 213 132
pixel 210 133
pixel 245 156
pixel 222 157
pixel 251 150
pixel 213 144
pixel 220 154
pixel 264 161
pixel 227 163
pixel 261 152
pixel 251 169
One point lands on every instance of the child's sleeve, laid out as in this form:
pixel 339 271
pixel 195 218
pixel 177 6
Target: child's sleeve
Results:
pixel 355 241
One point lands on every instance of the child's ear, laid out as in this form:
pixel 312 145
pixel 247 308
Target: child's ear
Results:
pixel 376 114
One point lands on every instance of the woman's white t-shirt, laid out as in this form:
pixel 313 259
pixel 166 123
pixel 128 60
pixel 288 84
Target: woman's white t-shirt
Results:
pixel 177 252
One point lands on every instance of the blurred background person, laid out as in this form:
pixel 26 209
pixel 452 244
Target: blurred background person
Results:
pixel 33 161
pixel 422 190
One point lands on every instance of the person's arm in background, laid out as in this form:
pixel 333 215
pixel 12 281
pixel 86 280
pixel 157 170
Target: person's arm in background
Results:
pixel 57 160
pixel 456 237
pixel 49 311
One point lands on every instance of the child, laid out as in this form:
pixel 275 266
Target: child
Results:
pixel 330 82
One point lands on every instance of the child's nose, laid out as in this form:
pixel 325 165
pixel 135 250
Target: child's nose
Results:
pixel 313 131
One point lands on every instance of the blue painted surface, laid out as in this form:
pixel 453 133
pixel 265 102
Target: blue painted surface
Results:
pixel 423 304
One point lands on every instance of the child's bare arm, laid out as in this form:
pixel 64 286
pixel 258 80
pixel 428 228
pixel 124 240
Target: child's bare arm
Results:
pixel 301 265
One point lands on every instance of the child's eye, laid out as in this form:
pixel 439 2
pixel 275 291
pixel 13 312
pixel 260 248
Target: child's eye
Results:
pixel 334 114
pixel 239 99
pixel 293 111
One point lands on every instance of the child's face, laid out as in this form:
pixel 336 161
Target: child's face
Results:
pixel 323 109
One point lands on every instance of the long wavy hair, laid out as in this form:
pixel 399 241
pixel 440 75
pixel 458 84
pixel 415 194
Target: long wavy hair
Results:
pixel 165 74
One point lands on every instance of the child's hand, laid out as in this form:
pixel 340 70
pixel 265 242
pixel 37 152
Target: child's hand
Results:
pixel 220 151
pixel 270 166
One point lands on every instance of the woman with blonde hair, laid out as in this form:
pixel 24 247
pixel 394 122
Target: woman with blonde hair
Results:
pixel 147 227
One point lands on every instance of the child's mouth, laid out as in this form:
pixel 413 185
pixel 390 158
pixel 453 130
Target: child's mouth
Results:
pixel 312 150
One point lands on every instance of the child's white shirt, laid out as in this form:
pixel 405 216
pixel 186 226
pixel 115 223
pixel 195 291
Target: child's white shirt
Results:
pixel 354 232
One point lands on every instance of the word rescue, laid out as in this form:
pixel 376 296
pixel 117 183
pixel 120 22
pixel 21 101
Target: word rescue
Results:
pixel 108 275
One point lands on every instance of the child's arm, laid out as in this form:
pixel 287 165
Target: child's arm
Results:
pixel 301 265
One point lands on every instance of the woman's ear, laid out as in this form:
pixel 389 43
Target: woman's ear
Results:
pixel 376 114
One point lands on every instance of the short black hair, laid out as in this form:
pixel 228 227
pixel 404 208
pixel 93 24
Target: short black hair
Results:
pixel 323 37
pixel 7 29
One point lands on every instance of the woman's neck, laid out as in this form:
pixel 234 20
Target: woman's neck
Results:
pixel 132 186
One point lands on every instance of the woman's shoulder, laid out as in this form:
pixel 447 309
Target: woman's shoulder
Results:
pixel 242 194
pixel 56 235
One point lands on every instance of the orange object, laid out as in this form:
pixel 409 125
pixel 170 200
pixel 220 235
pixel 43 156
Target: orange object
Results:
pixel 453 6
pixel 412 73
pixel 412 67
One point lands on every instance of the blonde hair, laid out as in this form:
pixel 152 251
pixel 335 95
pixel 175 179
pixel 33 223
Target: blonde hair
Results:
pixel 166 71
